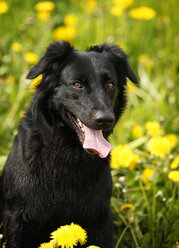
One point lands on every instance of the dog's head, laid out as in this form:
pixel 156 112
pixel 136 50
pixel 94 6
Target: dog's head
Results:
pixel 85 90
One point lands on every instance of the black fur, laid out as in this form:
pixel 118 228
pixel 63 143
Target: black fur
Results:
pixel 49 180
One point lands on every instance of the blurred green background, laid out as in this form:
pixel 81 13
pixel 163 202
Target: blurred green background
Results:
pixel 147 30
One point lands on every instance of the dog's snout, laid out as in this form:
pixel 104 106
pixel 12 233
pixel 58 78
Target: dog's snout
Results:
pixel 104 120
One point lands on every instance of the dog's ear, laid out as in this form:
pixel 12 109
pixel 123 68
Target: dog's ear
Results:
pixel 37 69
pixel 56 52
pixel 120 58
pixel 130 74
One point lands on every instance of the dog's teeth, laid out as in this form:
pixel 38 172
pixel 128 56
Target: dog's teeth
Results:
pixel 80 123
pixel 83 129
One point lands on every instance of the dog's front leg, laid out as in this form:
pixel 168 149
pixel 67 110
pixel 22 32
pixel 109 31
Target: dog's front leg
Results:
pixel 12 230
pixel 101 234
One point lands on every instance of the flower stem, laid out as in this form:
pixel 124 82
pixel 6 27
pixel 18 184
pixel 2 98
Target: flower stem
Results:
pixel 174 192
pixel 138 142
pixel 153 213
pixel 147 202
pixel 134 237
pixel 122 218
pixel 131 229
pixel 121 237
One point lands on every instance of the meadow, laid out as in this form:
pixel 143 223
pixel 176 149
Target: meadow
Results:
pixel 145 155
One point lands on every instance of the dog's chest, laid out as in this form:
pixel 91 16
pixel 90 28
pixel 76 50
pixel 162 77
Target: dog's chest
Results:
pixel 72 190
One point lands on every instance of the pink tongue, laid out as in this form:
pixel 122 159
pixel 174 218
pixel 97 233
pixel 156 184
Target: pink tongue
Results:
pixel 95 141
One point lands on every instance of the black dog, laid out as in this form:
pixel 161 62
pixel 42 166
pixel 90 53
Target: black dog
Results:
pixel 58 170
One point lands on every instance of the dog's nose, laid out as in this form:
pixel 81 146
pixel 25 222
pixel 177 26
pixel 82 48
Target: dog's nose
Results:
pixel 104 120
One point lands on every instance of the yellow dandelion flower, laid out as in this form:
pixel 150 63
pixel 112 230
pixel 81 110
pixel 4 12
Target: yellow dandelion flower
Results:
pixel 121 45
pixel 153 128
pixel 131 88
pixel 30 58
pixel 90 5
pixel 172 138
pixel 22 114
pixel 93 246
pixel 122 155
pixel 45 6
pixel 44 10
pixel 70 20
pixel 115 158
pixel 35 82
pixel 175 163
pixel 145 60
pixel 143 13
pixel 147 174
pixel 64 237
pixel 64 33
pixel 69 235
pixel 125 156
pixel 127 208
pixel 117 11
pixel 60 33
pixel 4 245
pixel 131 219
pixel 125 4
pixel 174 176
pixel 120 6
pixel 47 245
pixel 79 232
pixel 142 58
pixel 134 161
pixel 159 146
pixel 3 7
pixel 16 47
pixel 137 131
pixel 44 15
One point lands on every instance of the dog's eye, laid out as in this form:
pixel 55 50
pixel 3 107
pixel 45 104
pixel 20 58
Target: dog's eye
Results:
pixel 110 85
pixel 77 85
